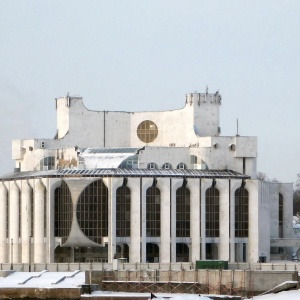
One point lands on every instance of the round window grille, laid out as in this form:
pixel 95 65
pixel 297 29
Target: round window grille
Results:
pixel 147 131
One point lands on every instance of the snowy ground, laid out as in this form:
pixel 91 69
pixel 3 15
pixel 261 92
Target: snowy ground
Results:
pixel 45 279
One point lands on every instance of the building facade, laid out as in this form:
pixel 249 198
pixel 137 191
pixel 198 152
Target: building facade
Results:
pixel 147 186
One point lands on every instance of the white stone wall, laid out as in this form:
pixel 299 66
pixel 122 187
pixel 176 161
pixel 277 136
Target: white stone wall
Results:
pixel 263 211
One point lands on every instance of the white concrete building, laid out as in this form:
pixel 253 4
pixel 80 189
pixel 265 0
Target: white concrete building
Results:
pixel 148 186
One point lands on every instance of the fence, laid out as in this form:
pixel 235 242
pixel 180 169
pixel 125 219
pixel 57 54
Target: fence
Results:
pixel 59 267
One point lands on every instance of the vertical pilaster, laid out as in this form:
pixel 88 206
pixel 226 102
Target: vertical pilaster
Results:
pixel 205 184
pixel 146 183
pixel 38 226
pixel 176 183
pixel 14 226
pixel 26 220
pixel 234 185
pixel 224 195
pixel 3 225
pixel 112 185
pixel 193 185
pixel 164 251
pixel 135 233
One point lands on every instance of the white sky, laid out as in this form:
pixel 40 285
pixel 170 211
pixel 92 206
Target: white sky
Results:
pixel 145 55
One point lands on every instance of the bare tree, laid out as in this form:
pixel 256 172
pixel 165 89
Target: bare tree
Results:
pixel 261 176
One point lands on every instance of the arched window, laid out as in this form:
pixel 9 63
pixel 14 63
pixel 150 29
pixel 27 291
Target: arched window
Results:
pixel 153 212
pixel 241 212
pixel 182 166
pixel 280 215
pixel 123 212
pixel 152 166
pixel 92 211
pixel 183 212
pixel 212 212
pixel 167 166
pixel 63 212
pixel 46 163
pixel 130 162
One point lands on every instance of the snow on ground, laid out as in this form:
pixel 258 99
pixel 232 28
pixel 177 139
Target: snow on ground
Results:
pixel 43 279
pixel 160 296
pixel 286 295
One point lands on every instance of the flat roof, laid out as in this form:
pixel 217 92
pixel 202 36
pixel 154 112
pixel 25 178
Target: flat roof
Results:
pixel 173 173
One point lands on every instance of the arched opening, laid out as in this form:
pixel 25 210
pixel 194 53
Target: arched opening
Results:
pixel 167 166
pixel 182 252
pixel 182 166
pixel 92 211
pixel 131 162
pixel 212 212
pixel 152 166
pixel 241 223
pixel 122 251
pixel 46 163
pixel 241 213
pixel 123 212
pixel 152 253
pixel 63 212
pixel 183 212
pixel 153 212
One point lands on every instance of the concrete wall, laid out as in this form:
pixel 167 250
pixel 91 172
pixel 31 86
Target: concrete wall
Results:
pixel 232 282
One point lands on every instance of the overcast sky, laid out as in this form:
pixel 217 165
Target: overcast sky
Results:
pixel 146 55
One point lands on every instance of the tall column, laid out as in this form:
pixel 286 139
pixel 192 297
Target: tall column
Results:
pixel 234 185
pixel 53 184
pixel 176 183
pixel 112 185
pixel 26 220
pixel 205 184
pixel 38 231
pixel 3 225
pixel 164 251
pixel 224 194
pixel 14 226
pixel 255 244
pixel 135 214
pixel 194 187
pixel 146 183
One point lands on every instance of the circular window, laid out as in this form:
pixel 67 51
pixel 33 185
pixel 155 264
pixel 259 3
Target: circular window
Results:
pixel 147 131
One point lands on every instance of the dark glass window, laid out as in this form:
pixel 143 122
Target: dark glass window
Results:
pixel 280 215
pixel 241 212
pixel 63 212
pixel 183 212
pixel 153 212
pixel 212 212
pixel 123 212
pixel 92 211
